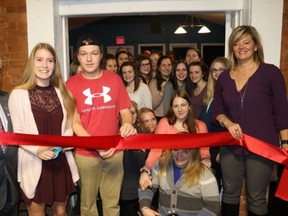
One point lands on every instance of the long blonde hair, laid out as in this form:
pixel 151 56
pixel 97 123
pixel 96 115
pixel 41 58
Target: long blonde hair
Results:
pixel 28 80
pixel 192 172
pixel 211 81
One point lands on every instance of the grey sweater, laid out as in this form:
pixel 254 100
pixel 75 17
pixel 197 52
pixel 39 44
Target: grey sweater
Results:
pixel 202 199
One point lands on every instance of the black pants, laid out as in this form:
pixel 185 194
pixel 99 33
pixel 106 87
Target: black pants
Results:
pixel 11 207
pixel 129 207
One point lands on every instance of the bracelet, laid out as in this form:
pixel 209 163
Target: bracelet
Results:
pixel 284 142
pixel 145 169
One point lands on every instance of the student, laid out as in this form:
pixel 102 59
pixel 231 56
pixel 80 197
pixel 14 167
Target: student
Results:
pixel 102 101
pixel 143 67
pixel 42 105
pixel 179 119
pixel 157 84
pixel 109 62
pixel 186 186
pixel 180 80
pixel 133 160
pixel 193 55
pixel 147 121
pixel 218 65
pixel 154 57
pixel 198 72
pixel 137 90
pixel 121 57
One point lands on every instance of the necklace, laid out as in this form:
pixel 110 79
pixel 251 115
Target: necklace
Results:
pixel 242 95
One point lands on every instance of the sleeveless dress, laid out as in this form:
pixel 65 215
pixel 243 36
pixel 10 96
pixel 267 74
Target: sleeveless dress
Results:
pixel 55 183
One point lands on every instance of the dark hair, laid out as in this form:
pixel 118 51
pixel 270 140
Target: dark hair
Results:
pixel 86 40
pixel 190 120
pixel 105 59
pixel 159 78
pixel 204 69
pixel 136 78
pixel 188 82
pixel 139 60
pixel 197 51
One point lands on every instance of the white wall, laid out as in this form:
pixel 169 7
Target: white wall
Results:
pixel 47 20
pixel 266 17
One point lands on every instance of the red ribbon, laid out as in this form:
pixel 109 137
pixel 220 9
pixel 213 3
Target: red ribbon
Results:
pixel 159 141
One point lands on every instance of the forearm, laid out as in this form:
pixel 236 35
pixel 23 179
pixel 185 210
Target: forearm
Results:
pixel 126 116
pixel 153 156
pixel 223 120
pixel 77 126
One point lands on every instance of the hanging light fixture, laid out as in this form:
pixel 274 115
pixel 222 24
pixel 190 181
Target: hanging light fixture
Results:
pixel 202 30
pixel 180 30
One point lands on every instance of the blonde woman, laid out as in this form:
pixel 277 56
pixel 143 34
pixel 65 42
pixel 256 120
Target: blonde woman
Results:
pixel 218 65
pixel 186 186
pixel 42 105
pixel 249 98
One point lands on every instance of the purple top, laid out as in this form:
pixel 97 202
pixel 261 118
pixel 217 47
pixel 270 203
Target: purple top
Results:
pixel 264 108
pixel 197 101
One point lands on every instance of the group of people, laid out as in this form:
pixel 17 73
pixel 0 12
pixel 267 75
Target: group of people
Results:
pixel 152 94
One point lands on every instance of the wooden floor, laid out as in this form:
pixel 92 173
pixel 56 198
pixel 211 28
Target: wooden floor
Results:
pixel 243 209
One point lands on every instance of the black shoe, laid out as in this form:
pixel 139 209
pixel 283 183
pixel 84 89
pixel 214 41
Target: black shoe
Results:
pixel 230 209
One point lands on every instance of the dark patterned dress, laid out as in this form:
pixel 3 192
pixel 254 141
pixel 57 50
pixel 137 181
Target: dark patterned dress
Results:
pixel 55 183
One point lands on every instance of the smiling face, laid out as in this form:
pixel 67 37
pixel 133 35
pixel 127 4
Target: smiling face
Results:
pixel 43 65
pixel 123 57
pixel 165 68
pixel 145 67
pixel 111 65
pixel 191 56
pixel 149 121
pixel 181 71
pixel 128 73
pixel 244 48
pixel 195 73
pixel 180 108
pixel 217 69
pixel 181 157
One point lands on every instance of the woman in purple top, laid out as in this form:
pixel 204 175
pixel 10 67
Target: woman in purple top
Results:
pixel 198 72
pixel 249 98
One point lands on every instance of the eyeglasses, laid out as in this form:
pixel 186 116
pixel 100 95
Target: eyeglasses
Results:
pixel 220 70
pixel 145 65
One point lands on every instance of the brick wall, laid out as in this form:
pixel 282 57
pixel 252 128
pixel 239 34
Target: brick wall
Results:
pixel 284 44
pixel 13 41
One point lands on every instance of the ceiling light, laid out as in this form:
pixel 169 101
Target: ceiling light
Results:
pixel 204 30
pixel 180 30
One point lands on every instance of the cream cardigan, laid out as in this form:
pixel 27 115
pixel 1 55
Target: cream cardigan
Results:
pixel 29 165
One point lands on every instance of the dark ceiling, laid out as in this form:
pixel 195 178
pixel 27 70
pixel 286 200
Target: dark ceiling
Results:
pixel 76 22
